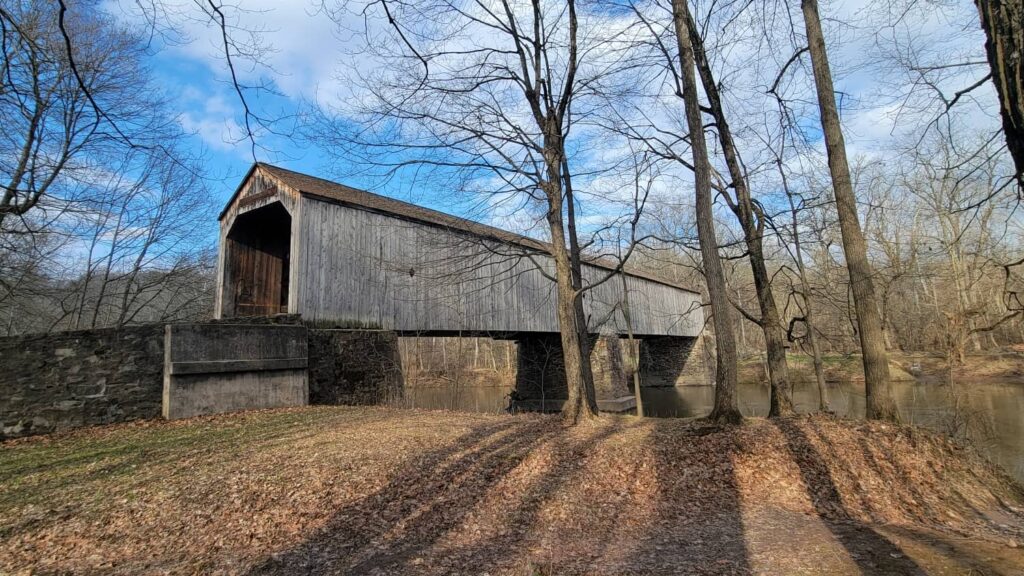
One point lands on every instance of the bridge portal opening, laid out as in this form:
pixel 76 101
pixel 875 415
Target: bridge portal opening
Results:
pixel 257 265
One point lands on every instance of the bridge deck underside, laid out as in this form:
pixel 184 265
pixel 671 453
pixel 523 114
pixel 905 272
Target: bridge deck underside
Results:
pixel 662 361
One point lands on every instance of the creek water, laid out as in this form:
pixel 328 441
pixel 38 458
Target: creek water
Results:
pixel 990 414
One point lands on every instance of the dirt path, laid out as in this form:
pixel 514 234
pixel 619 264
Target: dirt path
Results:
pixel 383 491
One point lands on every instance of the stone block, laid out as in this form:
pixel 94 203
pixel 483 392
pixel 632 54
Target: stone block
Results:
pixel 667 361
pixel 53 382
pixel 354 367
pixel 540 374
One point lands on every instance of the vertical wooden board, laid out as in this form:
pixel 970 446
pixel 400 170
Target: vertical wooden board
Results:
pixel 218 295
pixel 296 255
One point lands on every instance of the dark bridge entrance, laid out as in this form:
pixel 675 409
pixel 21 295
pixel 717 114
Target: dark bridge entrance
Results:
pixel 258 259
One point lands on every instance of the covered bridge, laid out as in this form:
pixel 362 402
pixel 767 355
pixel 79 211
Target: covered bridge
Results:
pixel 346 258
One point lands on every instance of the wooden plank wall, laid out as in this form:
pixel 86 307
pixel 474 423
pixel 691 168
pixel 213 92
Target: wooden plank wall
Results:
pixel 362 268
pixel 259 279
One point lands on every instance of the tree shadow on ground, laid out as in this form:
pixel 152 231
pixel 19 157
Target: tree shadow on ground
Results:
pixel 941 483
pixel 429 497
pixel 507 546
pixel 964 555
pixel 450 512
pixel 697 521
pixel 511 497
pixel 873 552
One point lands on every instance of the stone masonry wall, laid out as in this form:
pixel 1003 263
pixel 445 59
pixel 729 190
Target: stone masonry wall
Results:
pixel 64 380
pixel 610 375
pixel 673 361
pixel 700 369
pixel 354 367
pixel 540 371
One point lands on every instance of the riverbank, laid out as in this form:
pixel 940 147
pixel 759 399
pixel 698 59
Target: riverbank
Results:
pixel 387 491
pixel 903 367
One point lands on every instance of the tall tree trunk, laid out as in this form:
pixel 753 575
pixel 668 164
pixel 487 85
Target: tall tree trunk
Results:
pixel 819 365
pixel 581 402
pixel 726 407
pixel 633 352
pixel 575 262
pixel 1003 23
pixel 781 398
pixel 880 404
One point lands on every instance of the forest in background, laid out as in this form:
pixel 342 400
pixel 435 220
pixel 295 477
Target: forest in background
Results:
pixel 106 217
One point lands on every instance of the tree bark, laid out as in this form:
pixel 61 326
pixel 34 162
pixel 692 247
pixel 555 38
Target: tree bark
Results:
pixel 586 385
pixel 633 352
pixel 726 408
pixel 581 401
pixel 1003 23
pixel 880 404
pixel 781 397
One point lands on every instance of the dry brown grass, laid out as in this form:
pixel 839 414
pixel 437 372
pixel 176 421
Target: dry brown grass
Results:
pixel 386 491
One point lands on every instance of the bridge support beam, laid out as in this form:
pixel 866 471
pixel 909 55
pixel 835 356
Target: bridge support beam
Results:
pixel 667 361
pixel 540 374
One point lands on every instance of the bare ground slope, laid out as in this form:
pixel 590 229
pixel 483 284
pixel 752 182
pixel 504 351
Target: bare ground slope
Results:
pixel 385 491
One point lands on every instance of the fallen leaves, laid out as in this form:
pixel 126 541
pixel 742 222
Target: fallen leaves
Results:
pixel 376 490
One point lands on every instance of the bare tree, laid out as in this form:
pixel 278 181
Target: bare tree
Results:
pixel 936 77
pixel 880 404
pixel 752 222
pixel 726 407
pixel 92 160
pixel 796 251
pixel 45 112
pixel 503 118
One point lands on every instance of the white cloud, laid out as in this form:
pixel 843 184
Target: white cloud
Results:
pixel 292 43
pixel 212 118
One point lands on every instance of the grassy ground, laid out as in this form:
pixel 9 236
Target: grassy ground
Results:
pixel 386 491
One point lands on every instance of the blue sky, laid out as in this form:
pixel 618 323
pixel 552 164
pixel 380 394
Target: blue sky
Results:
pixel 301 58
pixel 308 54
pixel 196 77
pixel 211 111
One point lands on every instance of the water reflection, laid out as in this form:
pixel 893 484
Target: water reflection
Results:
pixel 991 413
pixel 461 398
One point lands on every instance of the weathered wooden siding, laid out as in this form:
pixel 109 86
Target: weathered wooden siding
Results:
pixel 362 268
